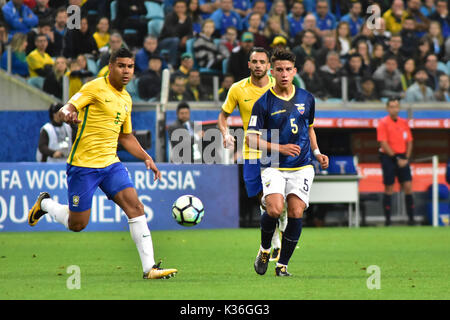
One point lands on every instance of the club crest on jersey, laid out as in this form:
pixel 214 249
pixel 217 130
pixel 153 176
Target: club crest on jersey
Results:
pixel 75 201
pixel 300 107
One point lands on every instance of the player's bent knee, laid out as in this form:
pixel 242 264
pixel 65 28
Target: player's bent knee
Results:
pixel 274 211
pixel 135 210
pixel 77 227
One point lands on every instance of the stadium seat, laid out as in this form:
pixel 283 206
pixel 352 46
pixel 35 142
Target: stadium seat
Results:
pixel 129 31
pixel 113 9
pixel 224 66
pixel 154 10
pixel 37 82
pixel 132 88
pixel 443 67
pixel 92 66
pixel 190 46
pixel 154 27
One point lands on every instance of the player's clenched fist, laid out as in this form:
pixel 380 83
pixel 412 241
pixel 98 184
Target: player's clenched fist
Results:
pixel 323 160
pixel 228 141
pixel 69 114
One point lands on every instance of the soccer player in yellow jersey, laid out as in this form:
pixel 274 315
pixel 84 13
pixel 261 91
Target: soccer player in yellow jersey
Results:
pixel 102 110
pixel 243 94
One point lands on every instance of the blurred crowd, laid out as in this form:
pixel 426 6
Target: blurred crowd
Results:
pixel 383 49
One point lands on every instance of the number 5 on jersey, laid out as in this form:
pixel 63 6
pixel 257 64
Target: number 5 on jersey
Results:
pixel 294 126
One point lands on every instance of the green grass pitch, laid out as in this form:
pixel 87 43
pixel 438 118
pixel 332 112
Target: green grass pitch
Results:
pixel 329 263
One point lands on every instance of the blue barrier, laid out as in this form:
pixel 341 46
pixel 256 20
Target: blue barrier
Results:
pixel 20 183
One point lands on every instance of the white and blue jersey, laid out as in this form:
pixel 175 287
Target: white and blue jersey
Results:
pixel 286 120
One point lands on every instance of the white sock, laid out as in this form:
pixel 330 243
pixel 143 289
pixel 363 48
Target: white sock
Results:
pixel 59 212
pixel 143 240
pixel 276 243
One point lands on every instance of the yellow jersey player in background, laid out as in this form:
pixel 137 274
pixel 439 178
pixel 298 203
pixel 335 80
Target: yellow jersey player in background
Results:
pixel 243 94
pixel 102 110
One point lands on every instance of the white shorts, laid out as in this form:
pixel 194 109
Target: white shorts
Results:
pixel 296 182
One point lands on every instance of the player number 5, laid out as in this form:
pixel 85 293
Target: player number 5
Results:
pixel 305 185
pixel 294 126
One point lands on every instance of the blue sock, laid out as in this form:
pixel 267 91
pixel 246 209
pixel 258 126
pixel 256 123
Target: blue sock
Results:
pixel 268 226
pixel 290 239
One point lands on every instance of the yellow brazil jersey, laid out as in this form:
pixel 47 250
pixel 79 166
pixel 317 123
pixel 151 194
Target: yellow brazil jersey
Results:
pixel 101 39
pixel 105 112
pixel 244 94
pixel 393 24
pixel 37 60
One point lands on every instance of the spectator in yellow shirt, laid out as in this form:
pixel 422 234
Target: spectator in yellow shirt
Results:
pixel 39 62
pixel 394 16
pixel 101 36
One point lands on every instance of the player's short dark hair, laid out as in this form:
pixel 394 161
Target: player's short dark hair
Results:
pixel 121 53
pixel 282 54
pixel 259 49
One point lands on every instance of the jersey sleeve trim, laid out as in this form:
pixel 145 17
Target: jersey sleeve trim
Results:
pixel 79 137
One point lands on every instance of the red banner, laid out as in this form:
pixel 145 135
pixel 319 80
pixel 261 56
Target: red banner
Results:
pixel 422 174
pixel 236 121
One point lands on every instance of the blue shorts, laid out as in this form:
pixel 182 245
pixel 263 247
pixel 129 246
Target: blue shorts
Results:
pixel 252 177
pixel 83 182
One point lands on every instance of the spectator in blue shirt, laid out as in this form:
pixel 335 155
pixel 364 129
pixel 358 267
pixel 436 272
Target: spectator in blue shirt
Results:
pixel 19 63
pixel 325 19
pixel 310 5
pixel 353 18
pixel 428 8
pixel 295 18
pixel 150 48
pixel 243 7
pixel 259 6
pixel 441 15
pixel 225 17
pixel 19 17
pixel 207 7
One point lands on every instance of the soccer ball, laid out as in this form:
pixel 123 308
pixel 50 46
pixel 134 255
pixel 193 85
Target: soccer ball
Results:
pixel 188 210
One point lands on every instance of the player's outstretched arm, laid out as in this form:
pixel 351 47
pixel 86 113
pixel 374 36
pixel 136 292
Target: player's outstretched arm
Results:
pixel 130 143
pixel 68 113
pixel 323 159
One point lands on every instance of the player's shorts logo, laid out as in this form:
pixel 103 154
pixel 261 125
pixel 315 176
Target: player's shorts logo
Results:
pixel 267 184
pixel 75 201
